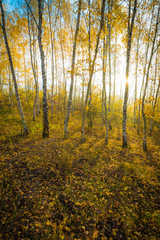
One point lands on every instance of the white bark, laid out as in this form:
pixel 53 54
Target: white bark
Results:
pixel 45 104
pixel 72 71
pixel 25 129
pixel 146 84
pixel 92 68
pixel 130 29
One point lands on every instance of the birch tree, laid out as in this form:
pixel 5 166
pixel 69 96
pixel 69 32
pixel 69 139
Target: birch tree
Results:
pixel 3 26
pixel 72 70
pixel 146 84
pixel 92 67
pixel 40 4
pixel 129 41
pixel 154 107
pixel 104 87
pixel 110 4
pixel 32 52
pixel 43 70
pixel 136 77
pixel 144 71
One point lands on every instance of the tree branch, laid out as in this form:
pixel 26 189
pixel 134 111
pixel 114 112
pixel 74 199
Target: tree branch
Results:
pixel 32 13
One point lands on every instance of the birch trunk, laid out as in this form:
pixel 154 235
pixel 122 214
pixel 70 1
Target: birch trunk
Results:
pixel 1 86
pixel 155 93
pixel 89 54
pixel 146 84
pixel 104 87
pixel 33 67
pixel 144 73
pixel 72 71
pixel 102 107
pixel 135 94
pixel 92 68
pixel 25 75
pixel 45 104
pixel 109 55
pixel 25 129
pixel 82 100
pixel 115 62
pixel 154 107
pixel 64 78
pixel 130 29
pixel 10 89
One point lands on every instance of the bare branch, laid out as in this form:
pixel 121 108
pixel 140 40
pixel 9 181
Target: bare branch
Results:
pixel 32 13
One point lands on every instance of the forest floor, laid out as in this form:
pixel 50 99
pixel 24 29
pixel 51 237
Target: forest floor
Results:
pixel 60 188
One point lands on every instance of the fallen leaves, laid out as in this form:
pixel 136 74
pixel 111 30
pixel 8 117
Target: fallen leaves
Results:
pixel 76 191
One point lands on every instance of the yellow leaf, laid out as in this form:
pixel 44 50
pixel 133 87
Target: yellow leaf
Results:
pixel 114 231
pixel 95 234
pixel 48 223
pixel 87 108
pixel 67 229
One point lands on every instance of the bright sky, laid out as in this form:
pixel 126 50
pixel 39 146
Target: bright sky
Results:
pixel 13 3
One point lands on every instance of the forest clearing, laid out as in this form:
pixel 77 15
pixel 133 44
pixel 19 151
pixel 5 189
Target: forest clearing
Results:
pixel 79 120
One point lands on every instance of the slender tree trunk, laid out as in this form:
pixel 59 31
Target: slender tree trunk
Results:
pixel 82 100
pixel 109 55
pixel 72 71
pixel 146 84
pixel 102 107
pixel 89 54
pixel 115 62
pixel 1 87
pixel 104 87
pixel 45 104
pixel 154 94
pixel 144 74
pixel 25 129
pixel 52 59
pixel 130 29
pixel 52 73
pixel 33 66
pixel 92 68
pixel 10 88
pixel 25 76
pixel 64 78
pixel 154 107
pixel 38 107
pixel 135 94
pixel 75 97
pixel 37 101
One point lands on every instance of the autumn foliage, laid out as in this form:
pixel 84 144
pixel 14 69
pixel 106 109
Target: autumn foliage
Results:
pixel 65 173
